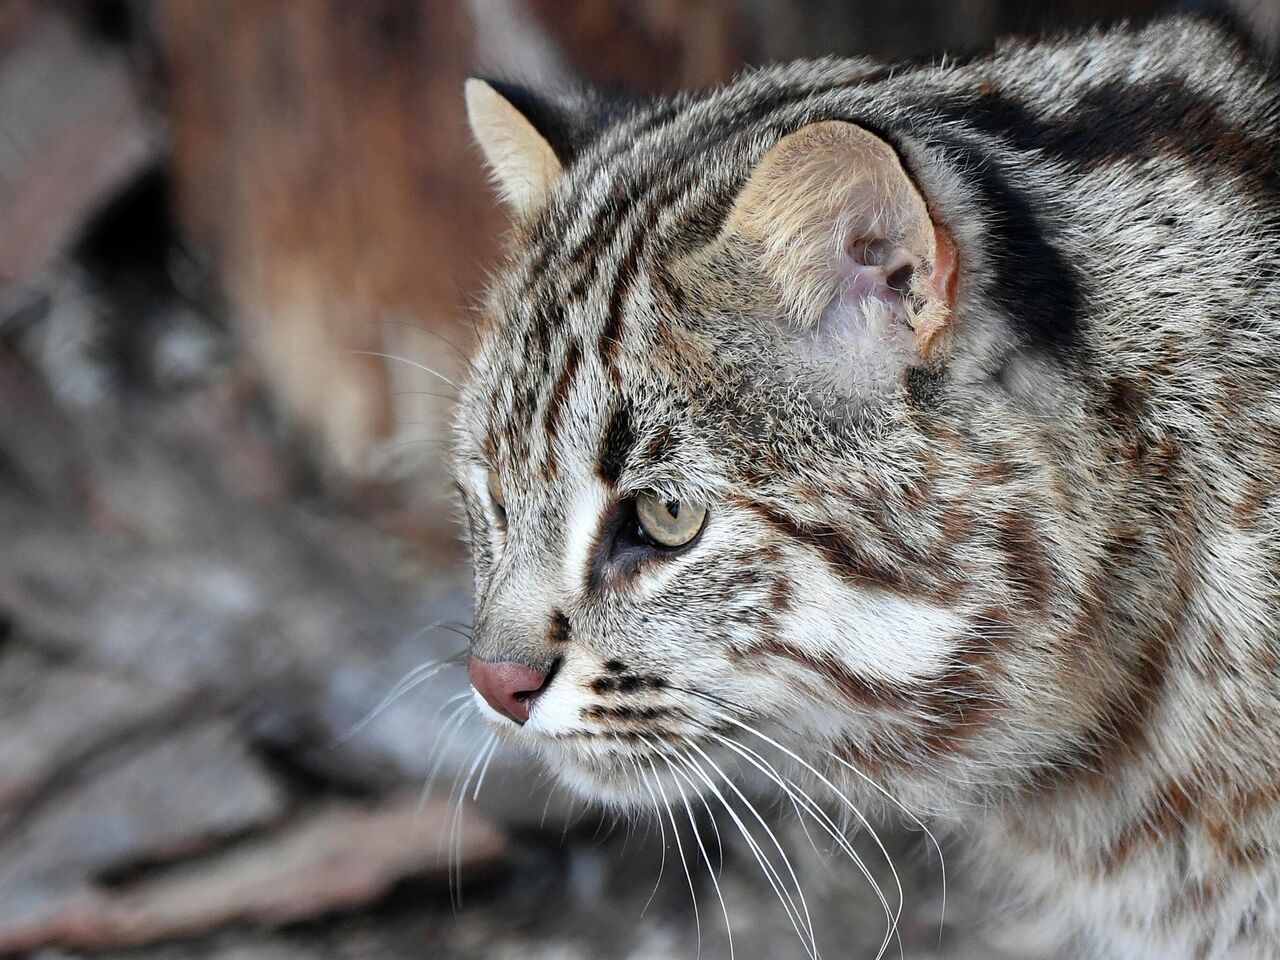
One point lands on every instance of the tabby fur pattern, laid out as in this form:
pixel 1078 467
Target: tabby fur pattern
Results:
pixel 997 535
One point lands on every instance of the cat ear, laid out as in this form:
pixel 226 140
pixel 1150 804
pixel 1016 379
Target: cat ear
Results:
pixel 525 140
pixel 846 237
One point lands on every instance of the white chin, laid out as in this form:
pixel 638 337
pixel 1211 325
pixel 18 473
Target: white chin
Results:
pixel 609 782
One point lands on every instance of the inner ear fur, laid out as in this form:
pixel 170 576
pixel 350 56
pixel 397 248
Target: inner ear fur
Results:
pixel 832 199
pixel 522 160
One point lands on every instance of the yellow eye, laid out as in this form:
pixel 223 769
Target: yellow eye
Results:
pixel 495 491
pixel 669 523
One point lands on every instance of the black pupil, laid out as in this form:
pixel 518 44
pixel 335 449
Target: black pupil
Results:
pixel 673 508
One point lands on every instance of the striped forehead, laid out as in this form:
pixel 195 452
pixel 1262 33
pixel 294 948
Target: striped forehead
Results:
pixel 578 318
pixel 566 414
pixel 545 407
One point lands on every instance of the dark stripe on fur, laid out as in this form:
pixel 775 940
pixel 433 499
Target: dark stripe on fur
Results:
pixel 560 391
pixel 560 628
pixel 857 689
pixel 1034 284
pixel 659 447
pixel 616 444
pixel 833 545
pixel 1118 120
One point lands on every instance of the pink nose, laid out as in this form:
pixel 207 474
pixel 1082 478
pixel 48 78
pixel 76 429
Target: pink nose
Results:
pixel 508 687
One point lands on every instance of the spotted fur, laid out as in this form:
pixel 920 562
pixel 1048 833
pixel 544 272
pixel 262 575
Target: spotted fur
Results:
pixel 1028 581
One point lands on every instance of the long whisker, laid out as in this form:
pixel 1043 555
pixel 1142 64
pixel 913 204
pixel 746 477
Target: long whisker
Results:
pixel 766 865
pixel 631 822
pixel 662 834
pixel 866 824
pixel 892 916
pixel 684 862
pixel 457 797
pixel 795 794
pixel 731 707
pixel 412 363
pixel 542 823
pixel 448 733
pixel 493 748
pixel 913 817
pixel 711 818
pixel 810 806
pixel 411 680
pixel 797 914
pixel 742 710
pixel 463 630
pixel 448 729
pixel 429 332
pixel 693 825
pixel 420 393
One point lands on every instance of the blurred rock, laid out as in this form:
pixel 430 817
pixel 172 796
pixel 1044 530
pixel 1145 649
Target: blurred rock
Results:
pixel 39 462
pixel 179 792
pixel 339 857
pixel 167 543
pixel 54 716
pixel 72 133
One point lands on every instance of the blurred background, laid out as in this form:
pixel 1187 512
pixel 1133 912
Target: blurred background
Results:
pixel 226 534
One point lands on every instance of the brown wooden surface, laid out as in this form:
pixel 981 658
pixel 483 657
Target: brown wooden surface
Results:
pixel 647 46
pixel 321 159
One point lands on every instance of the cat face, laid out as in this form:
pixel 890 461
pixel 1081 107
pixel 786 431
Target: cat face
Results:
pixel 747 463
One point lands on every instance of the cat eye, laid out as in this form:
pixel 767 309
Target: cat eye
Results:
pixel 495 493
pixel 669 523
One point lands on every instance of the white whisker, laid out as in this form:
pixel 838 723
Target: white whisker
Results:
pixel 913 817
pixel 684 862
pixel 542 823
pixel 493 748
pixel 821 817
pixel 414 678
pixel 462 354
pixel 803 927
pixel 693 825
pixel 795 793
pixel 412 363
pixel 457 797
pixel 866 824
pixel 449 729
pixel 662 833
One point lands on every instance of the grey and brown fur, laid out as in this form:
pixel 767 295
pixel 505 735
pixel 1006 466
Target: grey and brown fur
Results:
pixel 1020 573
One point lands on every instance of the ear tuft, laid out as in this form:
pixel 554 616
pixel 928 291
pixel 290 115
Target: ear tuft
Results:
pixel 521 159
pixel 846 237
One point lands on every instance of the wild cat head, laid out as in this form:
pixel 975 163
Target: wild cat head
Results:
pixel 774 431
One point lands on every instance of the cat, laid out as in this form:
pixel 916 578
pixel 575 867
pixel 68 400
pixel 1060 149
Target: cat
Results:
pixel 912 431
